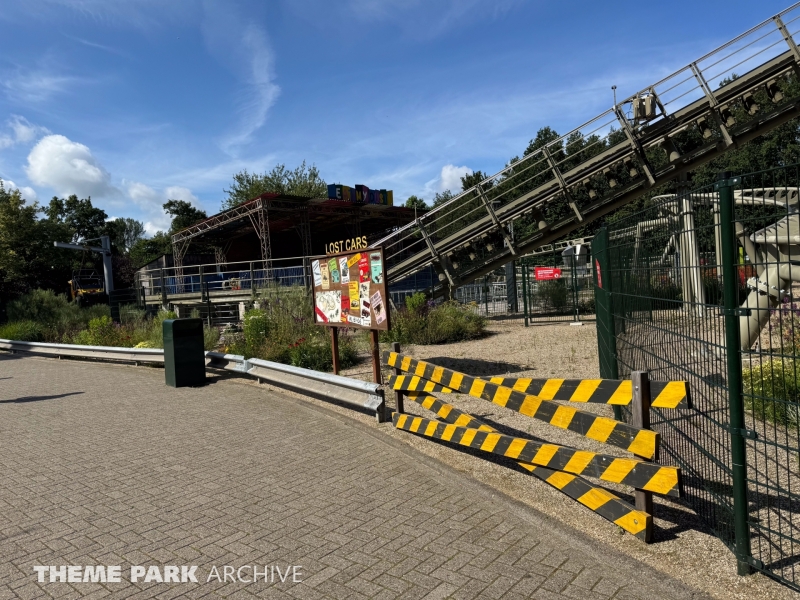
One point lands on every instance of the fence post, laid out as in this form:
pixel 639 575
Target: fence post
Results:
pixel 640 417
pixel 524 264
pixel 603 299
pixel 730 292
pixel 163 291
pixel 398 395
pixel 335 349
pixel 252 282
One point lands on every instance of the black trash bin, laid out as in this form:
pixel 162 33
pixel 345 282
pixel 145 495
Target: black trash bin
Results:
pixel 184 359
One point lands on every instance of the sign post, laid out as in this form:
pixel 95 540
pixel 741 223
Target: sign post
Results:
pixel 350 290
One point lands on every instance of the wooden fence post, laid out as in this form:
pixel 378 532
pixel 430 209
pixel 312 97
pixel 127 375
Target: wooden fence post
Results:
pixel 641 418
pixel 398 395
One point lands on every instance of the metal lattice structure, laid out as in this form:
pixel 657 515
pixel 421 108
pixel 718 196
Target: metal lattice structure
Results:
pixel 718 102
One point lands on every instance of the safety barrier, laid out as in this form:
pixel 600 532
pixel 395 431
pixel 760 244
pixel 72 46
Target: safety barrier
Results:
pixel 602 429
pixel 559 466
pixel 597 499
pixel 357 393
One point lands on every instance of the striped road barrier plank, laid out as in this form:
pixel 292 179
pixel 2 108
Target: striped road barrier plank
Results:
pixel 596 499
pixel 641 442
pixel 665 394
pixel 642 475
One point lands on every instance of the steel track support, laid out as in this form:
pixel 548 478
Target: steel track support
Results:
pixel 563 184
pixel 260 222
pixel 493 216
pixel 435 254
pixel 787 36
pixel 636 145
pixel 712 100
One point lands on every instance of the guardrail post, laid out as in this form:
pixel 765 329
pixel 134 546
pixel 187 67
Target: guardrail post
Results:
pixel 376 370
pixel 335 349
pixel 398 395
pixel 640 417
pixel 741 526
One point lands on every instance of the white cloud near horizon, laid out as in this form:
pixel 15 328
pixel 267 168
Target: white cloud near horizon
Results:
pixel 450 177
pixel 69 168
pixel 28 193
pixel 150 202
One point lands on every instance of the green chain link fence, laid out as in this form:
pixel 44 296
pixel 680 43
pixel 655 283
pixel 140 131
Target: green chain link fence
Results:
pixel 704 286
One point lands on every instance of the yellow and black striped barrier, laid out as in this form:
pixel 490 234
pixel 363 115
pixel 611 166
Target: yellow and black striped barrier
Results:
pixel 596 499
pixel 663 394
pixel 641 442
pixel 638 474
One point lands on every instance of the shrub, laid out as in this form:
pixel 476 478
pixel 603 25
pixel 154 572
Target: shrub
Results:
pixel 417 303
pixel 551 295
pixel 102 331
pixel 772 392
pixel 59 319
pixel 442 324
pixel 22 331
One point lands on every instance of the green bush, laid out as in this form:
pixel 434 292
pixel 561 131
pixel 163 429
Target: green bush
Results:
pixel 442 324
pixel 282 330
pixel 60 320
pixel 772 392
pixel 551 295
pixel 102 331
pixel 22 331
pixel 417 303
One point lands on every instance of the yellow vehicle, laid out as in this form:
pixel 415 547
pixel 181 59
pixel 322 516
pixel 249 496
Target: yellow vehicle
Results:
pixel 86 287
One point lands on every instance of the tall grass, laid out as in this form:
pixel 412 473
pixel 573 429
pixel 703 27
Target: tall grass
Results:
pixel 422 322
pixel 42 316
pixel 282 329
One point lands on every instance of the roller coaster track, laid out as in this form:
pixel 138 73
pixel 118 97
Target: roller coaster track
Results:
pixel 743 89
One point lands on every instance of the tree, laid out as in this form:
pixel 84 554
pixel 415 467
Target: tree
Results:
pixel 146 250
pixel 124 233
pixel 28 258
pixel 302 181
pixel 85 221
pixel 414 202
pixel 474 178
pixel 183 214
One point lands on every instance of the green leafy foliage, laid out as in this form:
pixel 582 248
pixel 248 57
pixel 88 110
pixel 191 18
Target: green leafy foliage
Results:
pixel 183 214
pixel 301 181
pixel 22 331
pixel 772 392
pixel 422 323
pixel 282 330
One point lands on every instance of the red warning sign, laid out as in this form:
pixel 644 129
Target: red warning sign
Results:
pixel 545 273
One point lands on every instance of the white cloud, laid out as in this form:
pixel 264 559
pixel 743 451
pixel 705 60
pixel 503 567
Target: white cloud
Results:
pixel 28 193
pixel 34 86
pixel 450 178
pixel 69 168
pixel 244 48
pixel 22 131
pixel 150 202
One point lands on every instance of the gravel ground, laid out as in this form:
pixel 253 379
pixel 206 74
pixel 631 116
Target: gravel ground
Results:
pixel 683 547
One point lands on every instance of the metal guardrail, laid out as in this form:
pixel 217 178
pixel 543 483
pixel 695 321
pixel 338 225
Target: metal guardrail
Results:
pixel 361 394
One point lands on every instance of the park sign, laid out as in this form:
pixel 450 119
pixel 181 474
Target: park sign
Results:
pixel 547 273
pixel 350 290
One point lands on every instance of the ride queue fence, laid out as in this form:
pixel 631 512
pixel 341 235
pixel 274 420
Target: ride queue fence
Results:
pixel 700 286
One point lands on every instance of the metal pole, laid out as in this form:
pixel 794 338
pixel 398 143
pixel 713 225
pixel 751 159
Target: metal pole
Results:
pixel 398 395
pixel 252 282
pixel 525 289
pixel 640 418
pixel 725 185
pixel 163 291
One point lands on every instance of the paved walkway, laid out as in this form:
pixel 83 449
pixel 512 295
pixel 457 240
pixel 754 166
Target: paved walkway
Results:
pixel 105 465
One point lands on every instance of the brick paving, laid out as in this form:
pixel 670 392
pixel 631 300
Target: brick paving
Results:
pixel 105 465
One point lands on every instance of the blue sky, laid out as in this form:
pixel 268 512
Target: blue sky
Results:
pixel 137 101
